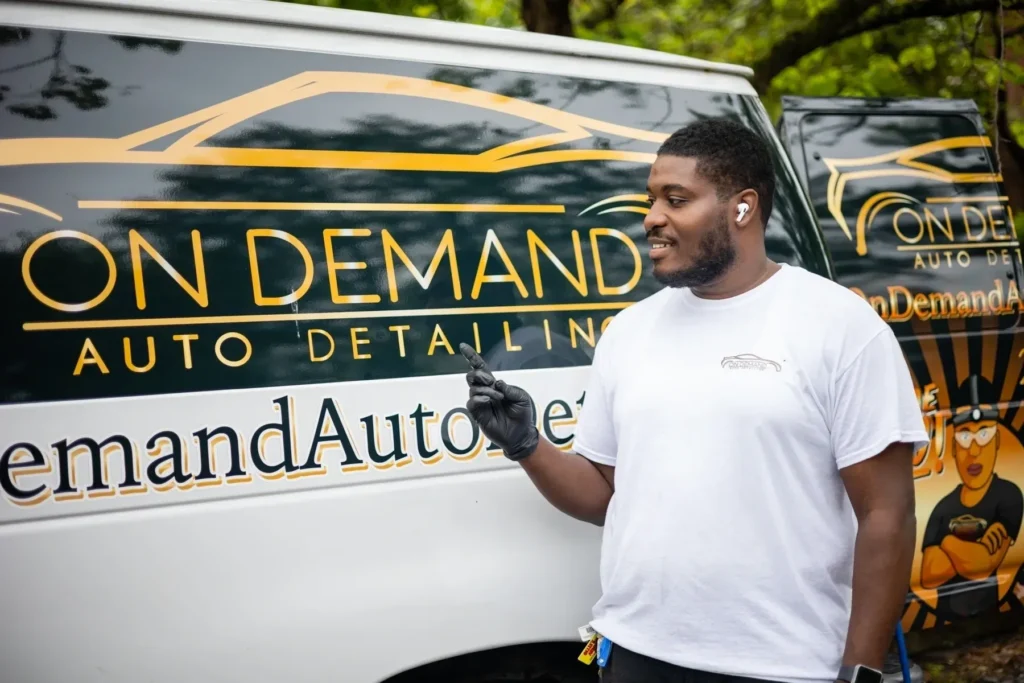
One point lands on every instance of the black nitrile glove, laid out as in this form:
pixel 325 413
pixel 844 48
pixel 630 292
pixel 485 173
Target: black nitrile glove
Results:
pixel 504 412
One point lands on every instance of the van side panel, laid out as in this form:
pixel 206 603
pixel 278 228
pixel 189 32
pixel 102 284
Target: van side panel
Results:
pixel 918 223
pixel 234 438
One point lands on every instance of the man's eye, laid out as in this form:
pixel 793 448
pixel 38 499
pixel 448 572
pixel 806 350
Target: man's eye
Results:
pixel 676 201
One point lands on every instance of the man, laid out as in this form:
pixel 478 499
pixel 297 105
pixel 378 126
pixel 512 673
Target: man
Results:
pixel 972 528
pixel 746 441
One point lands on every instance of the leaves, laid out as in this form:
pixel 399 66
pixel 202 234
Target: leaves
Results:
pixel 921 58
pixel 9 35
pixel 170 47
pixel 38 112
pixel 62 79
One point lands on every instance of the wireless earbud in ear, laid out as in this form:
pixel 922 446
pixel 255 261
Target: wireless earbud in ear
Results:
pixel 743 207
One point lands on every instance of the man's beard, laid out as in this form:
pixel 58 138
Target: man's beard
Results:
pixel 716 252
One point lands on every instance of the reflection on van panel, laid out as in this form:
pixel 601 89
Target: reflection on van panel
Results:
pixel 200 126
pixel 904 163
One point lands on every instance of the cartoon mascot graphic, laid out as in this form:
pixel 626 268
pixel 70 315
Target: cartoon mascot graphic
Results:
pixel 971 529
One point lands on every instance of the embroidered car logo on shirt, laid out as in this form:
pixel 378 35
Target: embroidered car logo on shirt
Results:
pixel 749 361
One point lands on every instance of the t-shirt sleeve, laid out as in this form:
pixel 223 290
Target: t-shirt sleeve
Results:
pixel 937 526
pixel 873 402
pixel 595 430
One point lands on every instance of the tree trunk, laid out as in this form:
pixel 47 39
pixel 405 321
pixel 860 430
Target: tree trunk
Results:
pixel 1012 157
pixel 548 16
pixel 1011 154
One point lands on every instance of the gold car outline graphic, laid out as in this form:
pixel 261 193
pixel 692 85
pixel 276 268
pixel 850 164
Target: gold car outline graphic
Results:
pixel 844 170
pixel 205 123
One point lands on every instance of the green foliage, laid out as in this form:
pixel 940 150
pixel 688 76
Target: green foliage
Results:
pixel 921 57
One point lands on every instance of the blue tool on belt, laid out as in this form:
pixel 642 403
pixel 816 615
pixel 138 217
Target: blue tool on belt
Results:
pixel 604 649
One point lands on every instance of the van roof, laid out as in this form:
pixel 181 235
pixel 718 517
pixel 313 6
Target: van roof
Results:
pixel 374 23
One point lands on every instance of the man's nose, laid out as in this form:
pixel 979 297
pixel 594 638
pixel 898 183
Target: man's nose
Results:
pixel 655 218
pixel 975 449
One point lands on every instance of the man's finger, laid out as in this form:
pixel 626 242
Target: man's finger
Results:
pixel 477 402
pixel 470 354
pixel 511 392
pixel 487 391
pixel 479 378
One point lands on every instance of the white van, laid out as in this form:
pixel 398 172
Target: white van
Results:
pixel 241 242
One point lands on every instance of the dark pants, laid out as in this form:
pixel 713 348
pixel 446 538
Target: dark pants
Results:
pixel 625 666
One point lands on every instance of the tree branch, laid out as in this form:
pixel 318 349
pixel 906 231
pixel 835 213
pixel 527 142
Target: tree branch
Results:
pixel 851 18
pixel 895 14
pixel 1009 144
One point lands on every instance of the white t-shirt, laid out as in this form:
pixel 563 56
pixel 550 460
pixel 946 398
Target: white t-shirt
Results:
pixel 728 544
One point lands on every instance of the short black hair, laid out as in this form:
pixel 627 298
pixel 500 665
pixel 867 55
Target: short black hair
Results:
pixel 729 155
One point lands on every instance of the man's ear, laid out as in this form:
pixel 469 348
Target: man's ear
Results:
pixel 746 208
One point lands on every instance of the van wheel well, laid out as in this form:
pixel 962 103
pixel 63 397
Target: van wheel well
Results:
pixel 529 663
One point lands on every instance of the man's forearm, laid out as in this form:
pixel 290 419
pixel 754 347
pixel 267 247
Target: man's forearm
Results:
pixel 569 481
pixel 883 557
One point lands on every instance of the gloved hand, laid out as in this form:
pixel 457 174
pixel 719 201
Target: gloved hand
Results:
pixel 504 412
